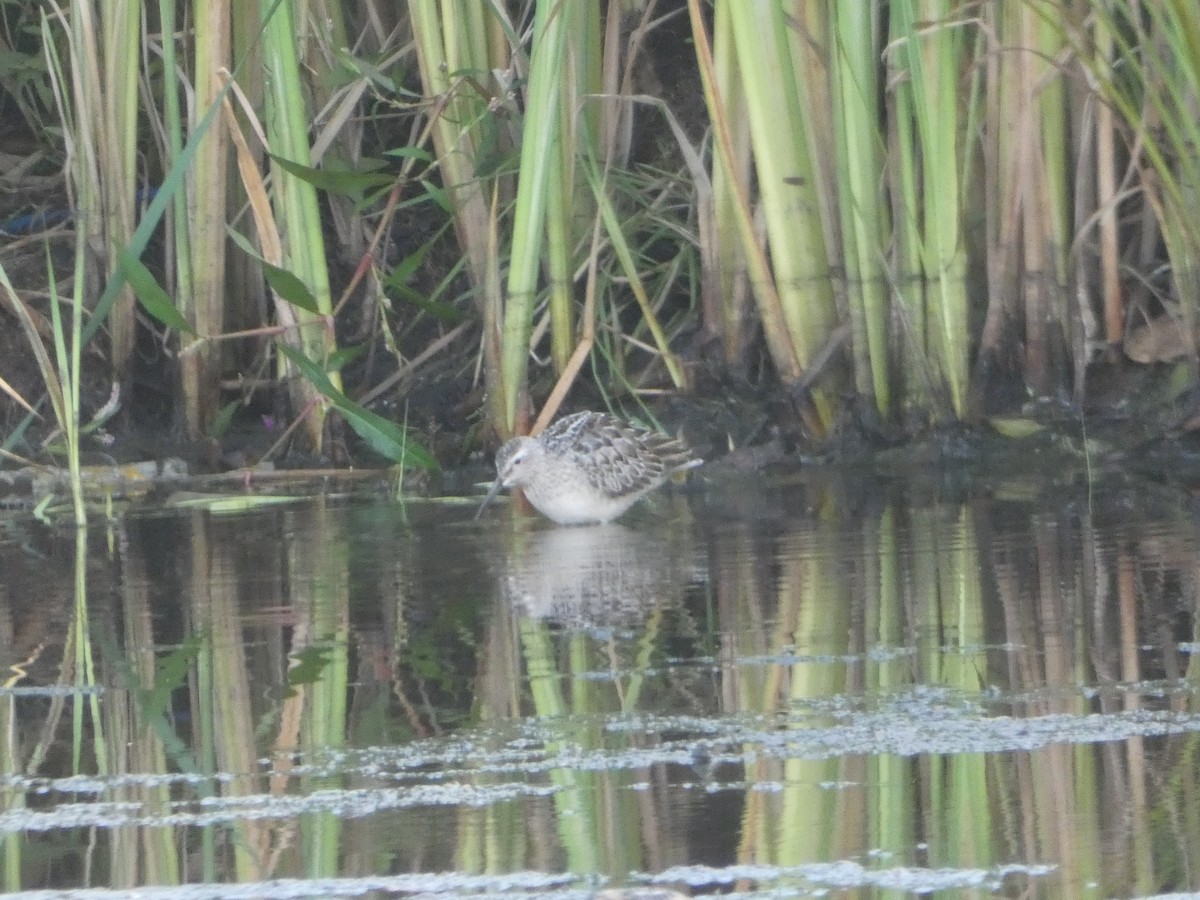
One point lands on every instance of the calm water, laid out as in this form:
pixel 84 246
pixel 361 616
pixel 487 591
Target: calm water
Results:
pixel 828 684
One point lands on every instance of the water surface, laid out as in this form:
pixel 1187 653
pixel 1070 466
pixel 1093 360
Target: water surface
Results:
pixel 810 684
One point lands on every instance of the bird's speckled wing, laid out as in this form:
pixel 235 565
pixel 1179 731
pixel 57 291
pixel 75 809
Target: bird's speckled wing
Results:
pixel 619 459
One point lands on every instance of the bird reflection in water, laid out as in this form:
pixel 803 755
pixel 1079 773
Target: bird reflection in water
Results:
pixel 595 575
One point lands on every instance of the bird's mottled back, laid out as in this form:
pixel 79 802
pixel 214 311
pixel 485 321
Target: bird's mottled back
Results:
pixel 617 458
pixel 589 466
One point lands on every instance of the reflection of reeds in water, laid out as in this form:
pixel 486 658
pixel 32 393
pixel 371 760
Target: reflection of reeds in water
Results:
pixel 1024 611
pixel 1098 611
pixel 581 616
pixel 907 667
pixel 592 576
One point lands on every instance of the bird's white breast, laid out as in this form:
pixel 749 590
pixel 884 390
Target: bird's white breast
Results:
pixel 576 504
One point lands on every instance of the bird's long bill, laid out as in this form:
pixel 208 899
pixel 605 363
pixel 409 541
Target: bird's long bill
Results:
pixel 492 492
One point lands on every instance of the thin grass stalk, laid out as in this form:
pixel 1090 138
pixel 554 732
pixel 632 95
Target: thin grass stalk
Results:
pixel 493 312
pixel 1163 89
pixel 808 35
pixel 625 256
pixel 59 376
pixel 200 236
pixel 786 170
pixel 865 228
pixel 1106 194
pixel 1178 232
pixel 904 184
pixel 62 378
pixel 74 87
pixel 559 193
pixel 1009 173
pixel 1001 307
pixel 566 209
pixel 725 293
pixel 1057 152
pixel 538 154
pixel 613 122
pixel 296 208
pixel 454 40
pixel 322 36
pixel 338 143
pixel 37 347
pixel 69 368
pixel 100 130
pixel 243 273
pixel 151 217
pixel 775 330
pixel 479 30
pixel 928 44
pixel 120 23
pixel 1031 177
pixel 173 124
